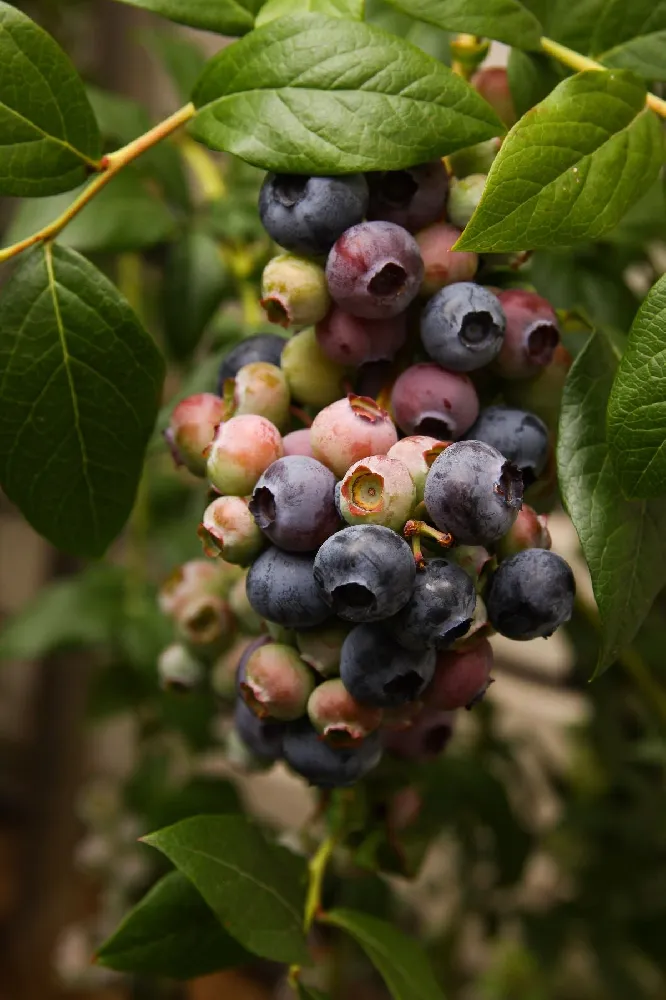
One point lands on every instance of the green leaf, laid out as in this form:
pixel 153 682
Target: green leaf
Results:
pixel 226 17
pixel 399 959
pixel 171 932
pixel 255 888
pixel 637 406
pixel 431 40
pixel 124 216
pixel 570 168
pixel 50 140
pixel 504 20
pixel 624 542
pixel 195 282
pixel 644 56
pixel 619 22
pixel 182 59
pixel 79 391
pixel 531 79
pixel 332 8
pixel 328 95
pixel 83 611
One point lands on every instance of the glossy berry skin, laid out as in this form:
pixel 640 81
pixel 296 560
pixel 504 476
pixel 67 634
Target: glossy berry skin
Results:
pixel 427 400
pixel 341 720
pixel 464 196
pixel 411 198
pixel 280 587
pixel 377 671
pixel 492 82
pixel 307 214
pixel 462 327
pixel 374 270
pixel 425 740
pixel 313 378
pixel 521 437
pixel 473 492
pixel 531 337
pixel 259 388
pixel 477 159
pixel 531 595
pixel 378 490
pixel 229 530
pixel 192 428
pixel 260 347
pixel 320 647
pixel 262 736
pixel 298 443
pixel 294 291
pixel 418 453
pixel 326 766
pixel 351 429
pixel 443 265
pixel 242 449
pixel 440 609
pixel 365 572
pixel 277 683
pixel 294 503
pixel 352 341
pixel 530 531
pixel 178 670
pixel 461 678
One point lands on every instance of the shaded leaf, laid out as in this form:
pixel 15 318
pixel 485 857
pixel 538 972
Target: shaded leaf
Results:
pixel 332 8
pixel 637 405
pixel 50 140
pixel 329 95
pixel 227 17
pixel 531 79
pixel 644 56
pixel 310 993
pixel 624 542
pixel 432 40
pixel 619 22
pixel 401 962
pixel 255 888
pixel 171 932
pixel 570 168
pixel 504 20
pixel 79 392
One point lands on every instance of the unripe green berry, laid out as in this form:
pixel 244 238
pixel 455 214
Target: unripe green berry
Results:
pixel 247 617
pixel 321 647
pixel 277 683
pixel 260 388
pixel 313 378
pixel 229 530
pixel 464 196
pixel 206 625
pixel 178 669
pixel 294 291
pixel 378 490
pixel 477 159
pixel 223 673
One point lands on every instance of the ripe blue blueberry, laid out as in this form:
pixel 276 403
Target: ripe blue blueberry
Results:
pixel 294 503
pixel 473 492
pixel 365 572
pixel 260 347
pixel 462 327
pixel 522 437
pixel 325 765
pixel 377 671
pixel 262 736
pixel 412 198
pixel 531 595
pixel 307 214
pixel 440 609
pixel 280 587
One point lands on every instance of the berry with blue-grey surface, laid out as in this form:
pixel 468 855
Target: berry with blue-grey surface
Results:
pixel 462 327
pixel 324 765
pixel 521 437
pixel 440 609
pixel 260 347
pixel 531 595
pixel 377 671
pixel 280 587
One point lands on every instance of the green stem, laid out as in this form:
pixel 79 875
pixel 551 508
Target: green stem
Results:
pixel 574 60
pixel 317 870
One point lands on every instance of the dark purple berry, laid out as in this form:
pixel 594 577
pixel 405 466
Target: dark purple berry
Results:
pixel 522 437
pixel 531 595
pixel 352 341
pixel 377 671
pixel 426 739
pixel 440 404
pixel 324 765
pixel 280 587
pixel 461 678
pixel 294 503
pixel 262 736
pixel 412 198
pixel 532 334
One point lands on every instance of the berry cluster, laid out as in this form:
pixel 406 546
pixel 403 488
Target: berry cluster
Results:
pixel 386 536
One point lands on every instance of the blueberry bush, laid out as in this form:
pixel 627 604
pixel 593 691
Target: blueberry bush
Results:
pixel 296 375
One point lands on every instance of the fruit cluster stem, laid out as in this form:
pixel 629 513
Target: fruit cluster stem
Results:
pixel 109 166
pixel 317 869
pixel 574 60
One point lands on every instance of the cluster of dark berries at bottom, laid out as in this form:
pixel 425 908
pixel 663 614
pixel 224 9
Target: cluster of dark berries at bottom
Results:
pixel 369 540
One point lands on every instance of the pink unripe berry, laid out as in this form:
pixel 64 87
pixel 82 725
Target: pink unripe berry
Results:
pixel 223 673
pixel 351 340
pixel 340 719
pixel 229 530
pixel 492 83
pixel 192 428
pixel 404 809
pixel 351 429
pixel 206 624
pixel 298 443
pixel 277 683
pixel 529 531
pixel 531 336
pixel 195 578
pixel 378 490
pixel 461 678
pixel 294 291
pixel 444 266
pixel 397 720
pixel 418 453
pixel 242 449
pixel 426 739
pixel 260 388
pixel 427 399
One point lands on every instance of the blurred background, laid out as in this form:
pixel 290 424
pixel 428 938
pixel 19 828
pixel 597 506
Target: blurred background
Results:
pixel 538 861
